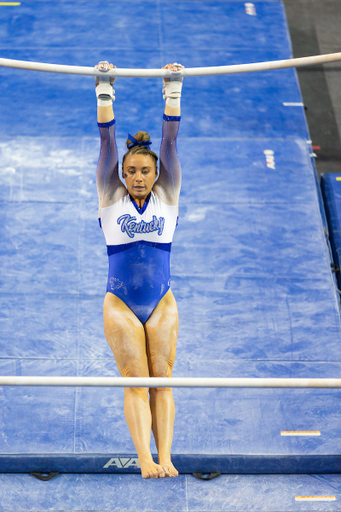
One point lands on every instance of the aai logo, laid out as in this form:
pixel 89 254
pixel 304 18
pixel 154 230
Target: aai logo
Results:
pixel 122 462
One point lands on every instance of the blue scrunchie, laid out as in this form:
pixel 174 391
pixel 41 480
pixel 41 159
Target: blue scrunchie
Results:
pixel 135 142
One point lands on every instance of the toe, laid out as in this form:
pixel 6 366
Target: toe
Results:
pixel 170 470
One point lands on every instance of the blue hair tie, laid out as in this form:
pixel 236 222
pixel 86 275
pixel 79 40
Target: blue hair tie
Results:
pixel 144 143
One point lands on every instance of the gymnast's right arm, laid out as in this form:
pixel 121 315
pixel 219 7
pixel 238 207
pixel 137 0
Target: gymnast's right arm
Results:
pixel 109 186
pixel 168 184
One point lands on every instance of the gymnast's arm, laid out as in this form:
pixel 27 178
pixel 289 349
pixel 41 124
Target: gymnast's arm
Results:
pixel 168 185
pixel 109 186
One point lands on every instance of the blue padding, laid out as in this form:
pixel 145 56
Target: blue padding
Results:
pixel 331 189
pixel 266 29
pixel 124 463
pixel 228 104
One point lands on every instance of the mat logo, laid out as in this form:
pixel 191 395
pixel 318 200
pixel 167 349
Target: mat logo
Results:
pixel 123 462
pixel 250 9
pixel 270 158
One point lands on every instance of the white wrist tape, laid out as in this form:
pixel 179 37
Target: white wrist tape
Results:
pixel 105 94
pixel 172 93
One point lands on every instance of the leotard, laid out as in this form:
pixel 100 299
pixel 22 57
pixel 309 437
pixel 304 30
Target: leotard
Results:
pixel 139 239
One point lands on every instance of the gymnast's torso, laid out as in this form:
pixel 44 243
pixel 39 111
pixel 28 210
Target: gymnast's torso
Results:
pixel 139 244
pixel 139 239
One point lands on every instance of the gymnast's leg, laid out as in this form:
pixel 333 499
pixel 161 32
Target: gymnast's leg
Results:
pixel 126 337
pixel 162 332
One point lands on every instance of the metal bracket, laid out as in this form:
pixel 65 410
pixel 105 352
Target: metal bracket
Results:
pixel 45 477
pixel 208 476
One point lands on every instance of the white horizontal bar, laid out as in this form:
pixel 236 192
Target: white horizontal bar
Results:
pixel 214 70
pixel 176 382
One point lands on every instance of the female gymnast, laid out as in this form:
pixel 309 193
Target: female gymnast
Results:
pixel 140 312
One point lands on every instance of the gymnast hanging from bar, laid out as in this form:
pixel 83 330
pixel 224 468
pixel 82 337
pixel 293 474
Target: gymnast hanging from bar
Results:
pixel 140 312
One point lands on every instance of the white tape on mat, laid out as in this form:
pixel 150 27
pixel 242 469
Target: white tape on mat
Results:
pixel 300 433
pixel 315 498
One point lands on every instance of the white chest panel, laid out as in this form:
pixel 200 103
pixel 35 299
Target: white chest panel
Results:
pixel 123 224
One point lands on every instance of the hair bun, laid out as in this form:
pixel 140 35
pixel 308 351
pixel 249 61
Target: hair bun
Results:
pixel 140 136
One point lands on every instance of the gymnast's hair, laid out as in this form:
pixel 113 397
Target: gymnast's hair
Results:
pixel 140 150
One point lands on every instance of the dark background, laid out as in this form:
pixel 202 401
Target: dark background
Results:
pixel 315 28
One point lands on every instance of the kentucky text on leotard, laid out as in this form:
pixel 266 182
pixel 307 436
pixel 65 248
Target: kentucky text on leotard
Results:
pixel 139 239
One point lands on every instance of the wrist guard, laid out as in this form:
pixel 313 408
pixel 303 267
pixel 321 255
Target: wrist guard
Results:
pixel 172 88
pixel 104 92
pixel 172 93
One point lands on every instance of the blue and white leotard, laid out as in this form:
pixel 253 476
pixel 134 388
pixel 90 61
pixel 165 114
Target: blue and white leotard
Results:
pixel 139 239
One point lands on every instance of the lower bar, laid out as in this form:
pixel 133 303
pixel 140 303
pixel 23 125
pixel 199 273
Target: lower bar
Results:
pixel 175 382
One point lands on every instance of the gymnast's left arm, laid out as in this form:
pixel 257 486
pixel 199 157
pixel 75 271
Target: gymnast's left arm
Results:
pixel 169 182
pixel 109 186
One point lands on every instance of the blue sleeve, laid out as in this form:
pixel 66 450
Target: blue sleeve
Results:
pixel 170 169
pixel 107 177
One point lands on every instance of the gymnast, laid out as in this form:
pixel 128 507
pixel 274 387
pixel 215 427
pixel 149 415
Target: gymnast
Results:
pixel 138 221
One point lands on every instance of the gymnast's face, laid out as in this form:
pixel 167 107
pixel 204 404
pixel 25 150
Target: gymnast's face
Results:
pixel 139 172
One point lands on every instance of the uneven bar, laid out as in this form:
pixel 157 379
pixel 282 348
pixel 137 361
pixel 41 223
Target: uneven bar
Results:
pixel 203 71
pixel 175 382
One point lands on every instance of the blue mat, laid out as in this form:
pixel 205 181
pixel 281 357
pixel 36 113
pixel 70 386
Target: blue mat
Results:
pixel 331 190
pixel 251 267
pixel 104 493
pixel 60 105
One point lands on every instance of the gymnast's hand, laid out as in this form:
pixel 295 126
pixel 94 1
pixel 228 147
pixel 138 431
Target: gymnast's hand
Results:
pixel 175 68
pixel 172 89
pixel 104 66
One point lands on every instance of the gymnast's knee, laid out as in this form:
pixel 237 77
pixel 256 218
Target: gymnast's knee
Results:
pixel 161 367
pixel 141 392
pixel 163 389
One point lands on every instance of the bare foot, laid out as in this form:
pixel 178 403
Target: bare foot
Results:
pixel 168 468
pixel 151 470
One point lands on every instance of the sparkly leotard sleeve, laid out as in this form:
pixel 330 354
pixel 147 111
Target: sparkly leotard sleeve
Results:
pixel 139 239
pixel 107 177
